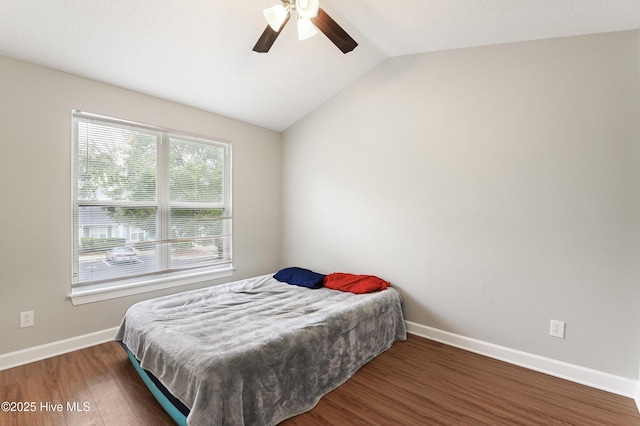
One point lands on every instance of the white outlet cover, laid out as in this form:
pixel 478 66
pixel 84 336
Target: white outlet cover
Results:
pixel 26 319
pixel 557 329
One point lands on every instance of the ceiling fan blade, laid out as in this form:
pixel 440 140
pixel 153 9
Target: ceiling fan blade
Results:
pixel 334 32
pixel 268 37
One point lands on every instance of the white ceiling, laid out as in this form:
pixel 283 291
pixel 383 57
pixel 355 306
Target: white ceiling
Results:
pixel 198 52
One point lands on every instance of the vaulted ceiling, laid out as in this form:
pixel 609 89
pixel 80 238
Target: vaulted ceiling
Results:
pixel 199 52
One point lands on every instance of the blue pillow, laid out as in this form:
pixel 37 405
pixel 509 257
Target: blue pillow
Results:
pixel 300 276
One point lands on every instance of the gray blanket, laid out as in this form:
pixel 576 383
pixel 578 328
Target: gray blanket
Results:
pixel 258 351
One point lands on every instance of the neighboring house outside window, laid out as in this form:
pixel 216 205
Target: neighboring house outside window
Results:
pixel 105 227
pixel 150 206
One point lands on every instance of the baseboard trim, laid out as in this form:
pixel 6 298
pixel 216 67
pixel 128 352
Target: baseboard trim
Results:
pixel 37 353
pixel 574 373
pixel 589 377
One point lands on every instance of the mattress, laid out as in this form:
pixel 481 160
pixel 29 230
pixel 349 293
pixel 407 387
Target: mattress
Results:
pixel 258 351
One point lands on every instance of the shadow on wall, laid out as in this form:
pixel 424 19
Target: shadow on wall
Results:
pixel 427 317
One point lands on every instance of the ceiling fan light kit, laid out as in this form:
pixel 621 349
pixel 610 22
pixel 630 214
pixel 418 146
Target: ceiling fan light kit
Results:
pixel 307 8
pixel 306 29
pixel 309 16
pixel 276 15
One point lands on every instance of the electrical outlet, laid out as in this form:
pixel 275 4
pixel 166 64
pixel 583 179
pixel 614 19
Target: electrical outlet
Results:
pixel 557 329
pixel 27 319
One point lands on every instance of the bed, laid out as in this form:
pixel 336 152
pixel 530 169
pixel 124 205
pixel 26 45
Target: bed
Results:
pixel 255 351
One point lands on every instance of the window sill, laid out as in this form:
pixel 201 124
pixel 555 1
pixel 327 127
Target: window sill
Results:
pixel 92 294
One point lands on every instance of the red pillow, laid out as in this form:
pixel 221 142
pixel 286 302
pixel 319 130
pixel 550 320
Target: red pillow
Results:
pixel 355 283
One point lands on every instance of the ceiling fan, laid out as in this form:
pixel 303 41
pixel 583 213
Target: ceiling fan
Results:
pixel 309 16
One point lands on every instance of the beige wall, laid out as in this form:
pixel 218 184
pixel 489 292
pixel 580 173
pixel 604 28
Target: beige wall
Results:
pixel 35 192
pixel 495 187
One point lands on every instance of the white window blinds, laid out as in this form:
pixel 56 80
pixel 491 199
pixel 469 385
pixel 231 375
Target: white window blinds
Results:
pixel 147 202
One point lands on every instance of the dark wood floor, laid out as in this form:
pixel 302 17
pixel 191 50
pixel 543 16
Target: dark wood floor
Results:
pixel 417 382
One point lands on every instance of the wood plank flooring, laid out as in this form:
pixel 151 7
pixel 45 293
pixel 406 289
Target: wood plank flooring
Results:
pixel 417 382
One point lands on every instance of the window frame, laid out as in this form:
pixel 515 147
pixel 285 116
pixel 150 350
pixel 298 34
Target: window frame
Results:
pixel 119 287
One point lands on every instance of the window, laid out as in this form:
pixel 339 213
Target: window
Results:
pixel 149 206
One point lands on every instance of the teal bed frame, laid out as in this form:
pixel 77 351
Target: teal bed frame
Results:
pixel 175 414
